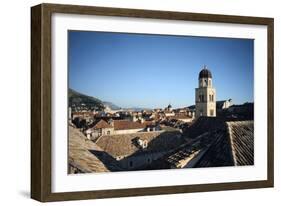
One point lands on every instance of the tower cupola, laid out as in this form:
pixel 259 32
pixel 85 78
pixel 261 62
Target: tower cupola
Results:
pixel 205 77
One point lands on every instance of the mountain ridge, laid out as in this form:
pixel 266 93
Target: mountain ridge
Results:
pixel 76 99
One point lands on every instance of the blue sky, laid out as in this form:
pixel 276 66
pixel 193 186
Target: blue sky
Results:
pixel 136 70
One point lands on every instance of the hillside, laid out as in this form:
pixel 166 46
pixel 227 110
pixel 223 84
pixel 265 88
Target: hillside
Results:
pixel 76 99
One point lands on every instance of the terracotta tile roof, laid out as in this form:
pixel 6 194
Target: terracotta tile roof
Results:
pixel 230 145
pixel 218 153
pixel 101 124
pixel 242 141
pixel 204 124
pixel 122 145
pixel 234 148
pixel 148 123
pixel 126 124
pixel 84 154
pixel 180 116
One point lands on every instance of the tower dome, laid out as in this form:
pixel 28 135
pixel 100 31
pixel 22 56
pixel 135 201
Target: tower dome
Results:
pixel 205 73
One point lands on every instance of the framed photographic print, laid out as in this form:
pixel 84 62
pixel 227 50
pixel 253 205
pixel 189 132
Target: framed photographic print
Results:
pixel 130 102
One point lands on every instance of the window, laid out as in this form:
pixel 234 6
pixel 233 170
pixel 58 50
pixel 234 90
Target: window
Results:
pixel 201 98
pixel 212 112
pixel 211 97
pixel 131 163
pixel 108 132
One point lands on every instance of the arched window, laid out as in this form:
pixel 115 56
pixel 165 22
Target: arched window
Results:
pixel 201 98
pixel 211 97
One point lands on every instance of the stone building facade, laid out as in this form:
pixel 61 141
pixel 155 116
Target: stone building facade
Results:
pixel 205 95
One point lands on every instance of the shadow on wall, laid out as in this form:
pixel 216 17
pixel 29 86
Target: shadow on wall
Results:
pixel 161 145
pixel 24 193
pixel 109 162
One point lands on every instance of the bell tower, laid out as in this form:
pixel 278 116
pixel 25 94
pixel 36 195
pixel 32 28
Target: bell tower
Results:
pixel 205 95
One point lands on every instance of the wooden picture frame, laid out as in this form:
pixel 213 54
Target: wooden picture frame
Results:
pixel 41 117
